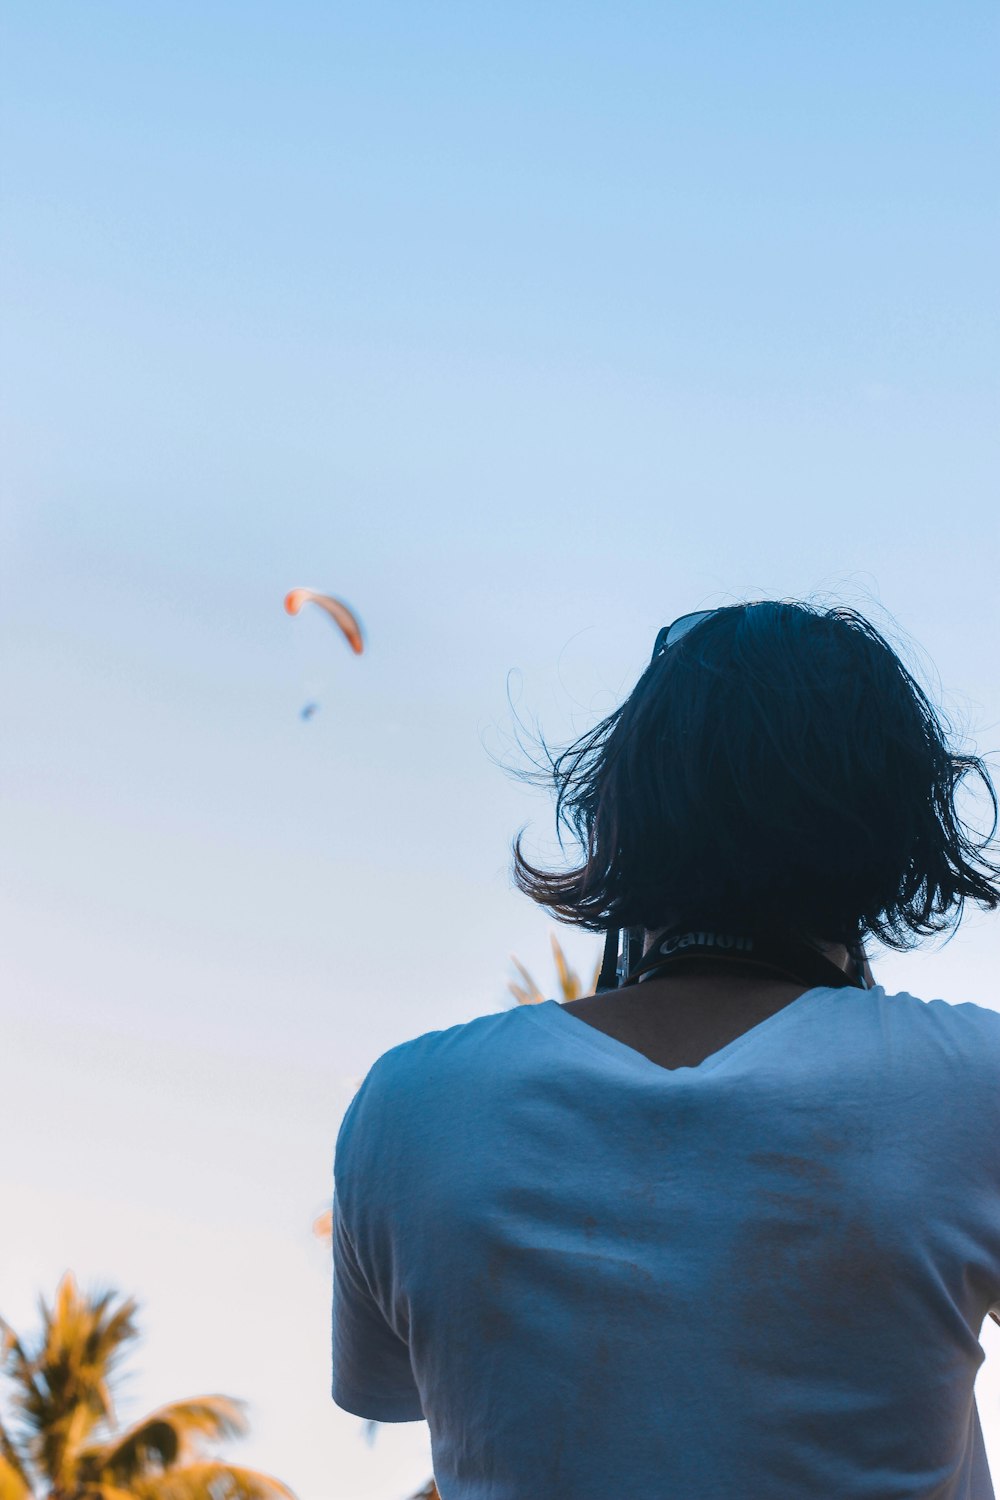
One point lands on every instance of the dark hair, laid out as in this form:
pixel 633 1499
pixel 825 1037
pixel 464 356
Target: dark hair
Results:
pixel 777 766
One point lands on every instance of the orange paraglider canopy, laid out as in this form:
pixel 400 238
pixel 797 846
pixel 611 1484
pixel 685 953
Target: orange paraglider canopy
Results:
pixel 335 608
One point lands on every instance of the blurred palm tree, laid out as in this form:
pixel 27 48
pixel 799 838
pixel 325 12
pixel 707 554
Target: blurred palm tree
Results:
pixel 526 993
pixel 570 985
pixel 59 1438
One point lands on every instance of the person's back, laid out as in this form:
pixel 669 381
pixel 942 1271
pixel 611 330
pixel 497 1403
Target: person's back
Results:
pixel 733 1229
pixel 762 1276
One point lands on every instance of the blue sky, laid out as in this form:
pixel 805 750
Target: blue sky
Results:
pixel 524 329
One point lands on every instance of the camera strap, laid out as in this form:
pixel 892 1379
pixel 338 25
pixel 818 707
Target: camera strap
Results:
pixel 775 953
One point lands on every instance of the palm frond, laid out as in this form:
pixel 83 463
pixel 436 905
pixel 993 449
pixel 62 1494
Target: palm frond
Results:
pixel 169 1436
pixel 10 1455
pixel 28 1397
pixel 569 983
pixel 17 1363
pixel 210 1480
pixel 99 1489
pixel 120 1328
pixel 531 994
pixel 211 1417
pixel 12 1351
pixel 13 1481
pixel 150 1445
pixel 569 980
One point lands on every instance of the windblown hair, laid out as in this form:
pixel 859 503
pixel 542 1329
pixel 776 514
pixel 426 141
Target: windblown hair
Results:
pixel 777 766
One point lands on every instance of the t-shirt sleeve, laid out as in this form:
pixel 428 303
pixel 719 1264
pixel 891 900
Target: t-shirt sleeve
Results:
pixel 372 1374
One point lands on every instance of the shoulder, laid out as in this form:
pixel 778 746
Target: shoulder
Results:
pixel 416 1065
pixel 958 1019
pixel 962 1036
pixel 416 1088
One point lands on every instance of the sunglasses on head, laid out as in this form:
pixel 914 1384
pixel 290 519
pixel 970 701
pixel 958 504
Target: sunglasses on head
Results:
pixel 671 634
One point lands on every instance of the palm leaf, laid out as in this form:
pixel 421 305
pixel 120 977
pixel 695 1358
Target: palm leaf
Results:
pixel 12 1352
pixel 211 1417
pixel 210 1480
pixel 17 1364
pixel 568 980
pixel 29 1398
pixel 531 994
pixel 167 1436
pixel 151 1445
pixel 13 1483
pixel 10 1456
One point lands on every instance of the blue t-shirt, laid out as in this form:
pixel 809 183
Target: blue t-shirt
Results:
pixel 761 1278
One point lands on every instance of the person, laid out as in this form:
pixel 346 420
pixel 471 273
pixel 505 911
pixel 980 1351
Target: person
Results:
pixel 729 1228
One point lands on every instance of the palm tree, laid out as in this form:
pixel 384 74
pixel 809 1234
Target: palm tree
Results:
pixel 570 986
pixel 61 1440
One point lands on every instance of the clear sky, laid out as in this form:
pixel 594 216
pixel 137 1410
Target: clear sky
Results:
pixel 523 328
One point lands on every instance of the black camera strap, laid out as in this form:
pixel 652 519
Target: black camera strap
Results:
pixel 776 953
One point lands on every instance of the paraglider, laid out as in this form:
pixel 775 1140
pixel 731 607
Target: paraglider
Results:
pixel 335 608
pixel 343 617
